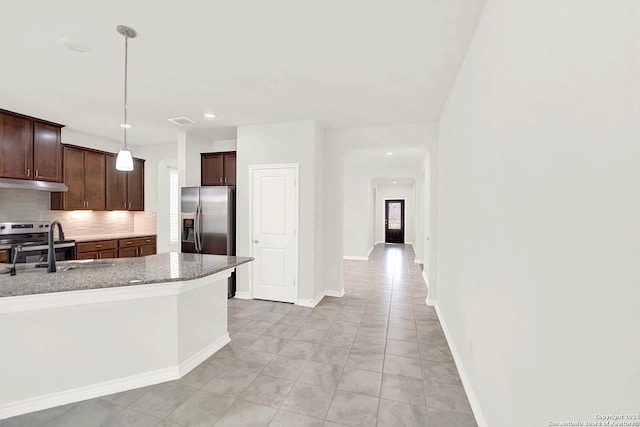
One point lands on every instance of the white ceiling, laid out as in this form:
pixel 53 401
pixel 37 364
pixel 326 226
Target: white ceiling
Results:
pixel 347 64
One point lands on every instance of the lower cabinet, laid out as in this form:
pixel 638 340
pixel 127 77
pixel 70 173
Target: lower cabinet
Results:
pixel 117 248
pixel 97 250
pixel 139 246
pixel 4 256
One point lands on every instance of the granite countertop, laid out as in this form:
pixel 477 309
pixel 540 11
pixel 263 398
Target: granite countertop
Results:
pixel 93 238
pixel 117 272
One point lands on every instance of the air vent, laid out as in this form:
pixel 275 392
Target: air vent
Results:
pixel 181 121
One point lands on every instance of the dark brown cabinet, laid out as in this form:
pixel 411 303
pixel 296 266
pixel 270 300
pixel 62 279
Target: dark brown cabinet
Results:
pixel 98 249
pixel 47 153
pixel 218 168
pixel 124 190
pixel 135 247
pixel 4 256
pixel 84 174
pixel 117 248
pixel 29 148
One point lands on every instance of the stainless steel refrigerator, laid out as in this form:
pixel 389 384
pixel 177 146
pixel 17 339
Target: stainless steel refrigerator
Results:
pixel 208 221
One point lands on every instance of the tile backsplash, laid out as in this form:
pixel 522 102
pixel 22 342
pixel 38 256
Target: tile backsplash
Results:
pixel 30 205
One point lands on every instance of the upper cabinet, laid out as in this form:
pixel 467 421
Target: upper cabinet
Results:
pixel 30 148
pixel 218 168
pixel 84 174
pixel 95 184
pixel 125 190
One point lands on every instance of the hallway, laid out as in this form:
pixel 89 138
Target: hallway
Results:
pixel 376 356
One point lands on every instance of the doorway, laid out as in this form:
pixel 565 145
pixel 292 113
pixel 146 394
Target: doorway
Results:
pixel 394 221
pixel 274 220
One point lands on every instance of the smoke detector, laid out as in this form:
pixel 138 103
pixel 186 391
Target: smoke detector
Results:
pixel 181 121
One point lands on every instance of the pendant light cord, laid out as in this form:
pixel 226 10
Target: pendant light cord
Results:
pixel 126 56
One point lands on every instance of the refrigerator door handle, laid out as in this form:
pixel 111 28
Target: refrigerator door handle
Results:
pixel 196 228
pixel 199 227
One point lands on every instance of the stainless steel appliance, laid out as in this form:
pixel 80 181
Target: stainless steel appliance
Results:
pixel 208 222
pixel 28 242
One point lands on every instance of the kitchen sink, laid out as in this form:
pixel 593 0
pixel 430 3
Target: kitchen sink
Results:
pixel 90 263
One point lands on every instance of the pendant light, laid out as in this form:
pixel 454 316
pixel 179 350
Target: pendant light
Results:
pixel 124 161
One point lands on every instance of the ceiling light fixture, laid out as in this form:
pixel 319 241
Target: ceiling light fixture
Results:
pixel 124 125
pixel 124 161
pixel 389 153
pixel 210 115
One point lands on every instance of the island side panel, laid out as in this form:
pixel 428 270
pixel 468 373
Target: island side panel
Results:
pixel 202 320
pixel 62 354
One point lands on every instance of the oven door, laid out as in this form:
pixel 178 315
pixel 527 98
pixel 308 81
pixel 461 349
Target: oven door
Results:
pixel 65 251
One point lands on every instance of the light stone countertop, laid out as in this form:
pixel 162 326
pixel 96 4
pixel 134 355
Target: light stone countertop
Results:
pixel 159 268
pixel 96 237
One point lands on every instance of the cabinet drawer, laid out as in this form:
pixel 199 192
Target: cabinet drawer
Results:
pixel 147 250
pixel 136 241
pixel 4 256
pixel 100 245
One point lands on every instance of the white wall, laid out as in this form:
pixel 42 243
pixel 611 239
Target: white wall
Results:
pixel 292 142
pixel 189 149
pixel 404 192
pixel 539 226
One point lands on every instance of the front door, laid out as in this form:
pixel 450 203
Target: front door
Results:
pixel 394 221
pixel 274 221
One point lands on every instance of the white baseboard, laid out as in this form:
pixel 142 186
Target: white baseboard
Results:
pixel 112 386
pixel 473 400
pixel 332 293
pixel 311 302
pixel 242 295
pixel 356 258
pixel 191 363
pixel 370 250
pixel 379 242
pixel 89 392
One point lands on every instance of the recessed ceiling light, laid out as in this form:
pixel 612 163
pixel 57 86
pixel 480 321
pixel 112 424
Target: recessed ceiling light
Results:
pixel 389 153
pixel 395 182
pixel 124 125
pixel 210 115
pixel 76 46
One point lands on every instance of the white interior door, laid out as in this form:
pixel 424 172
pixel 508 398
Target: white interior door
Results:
pixel 274 221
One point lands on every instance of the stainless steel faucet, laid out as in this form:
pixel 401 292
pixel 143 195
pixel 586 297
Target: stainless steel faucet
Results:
pixel 51 255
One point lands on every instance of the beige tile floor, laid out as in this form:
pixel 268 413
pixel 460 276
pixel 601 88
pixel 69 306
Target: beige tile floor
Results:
pixel 376 356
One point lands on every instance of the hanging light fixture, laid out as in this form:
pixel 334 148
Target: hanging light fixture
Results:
pixel 124 161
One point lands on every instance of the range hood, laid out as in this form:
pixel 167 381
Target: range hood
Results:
pixel 25 184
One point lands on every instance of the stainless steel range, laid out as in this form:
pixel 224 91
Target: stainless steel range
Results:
pixel 29 240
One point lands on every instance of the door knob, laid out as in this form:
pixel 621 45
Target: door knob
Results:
pixel 255 241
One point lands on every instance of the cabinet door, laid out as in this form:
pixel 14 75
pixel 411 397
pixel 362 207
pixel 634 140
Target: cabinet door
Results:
pixel 128 252
pixel 16 147
pixel 113 253
pixel 73 178
pixel 47 149
pixel 135 186
pixel 116 191
pixel 230 169
pixel 147 250
pixel 212 172
pixel 4 256
pixel 94 181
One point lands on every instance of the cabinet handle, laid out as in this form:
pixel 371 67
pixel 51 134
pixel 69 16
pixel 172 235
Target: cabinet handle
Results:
pixel 220 180
pixel 28 172
pixel 147 241
pixel 225 179
pixel 87 203
pixel 129 205
pixel 36 175
pixel 125 204
pixel 98 246
pixel 99 255
pixel 128 243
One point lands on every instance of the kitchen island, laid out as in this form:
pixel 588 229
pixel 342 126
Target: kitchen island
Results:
pixel 110 326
